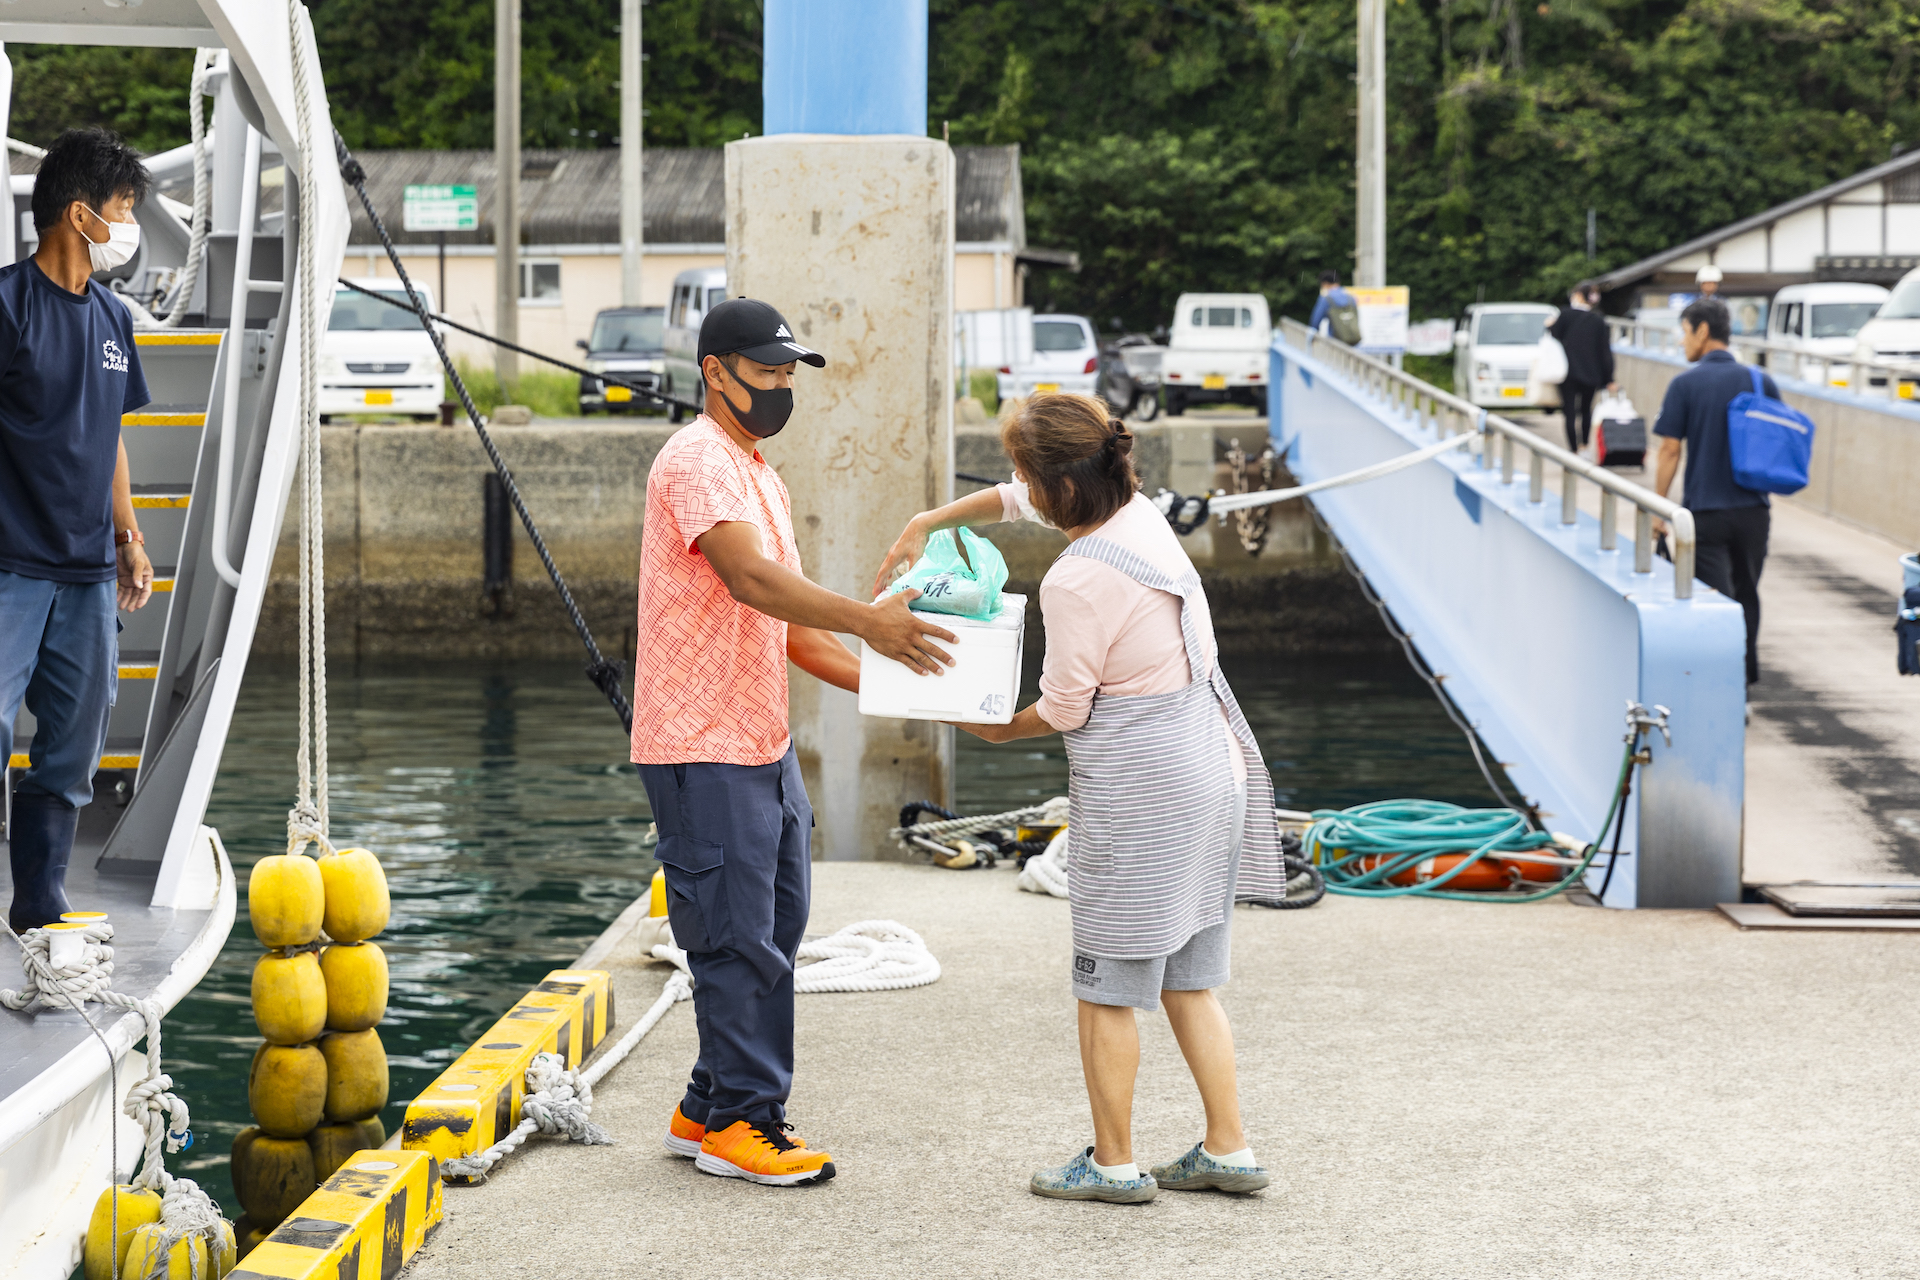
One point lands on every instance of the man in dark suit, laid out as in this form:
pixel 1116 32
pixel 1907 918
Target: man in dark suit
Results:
pixel 1583 333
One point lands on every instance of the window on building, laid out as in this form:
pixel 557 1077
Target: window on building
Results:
pixel 540 282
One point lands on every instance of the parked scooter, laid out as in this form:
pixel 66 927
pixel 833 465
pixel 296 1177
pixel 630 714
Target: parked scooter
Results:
pixel 1130 375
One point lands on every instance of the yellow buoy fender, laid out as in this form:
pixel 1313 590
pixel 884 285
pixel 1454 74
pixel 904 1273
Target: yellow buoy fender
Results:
pixel 287 1089
pixel 289 997
pixel 187 1260
pixel 357 903
pixel 356 974
pixel 247 1234
pixel 137 1209
pixel 271 1176
pixel 286 899
pixel 332 1144
pixel 356 1073
pixel 373 1134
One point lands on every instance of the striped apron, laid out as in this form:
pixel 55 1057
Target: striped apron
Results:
pixel 1152 796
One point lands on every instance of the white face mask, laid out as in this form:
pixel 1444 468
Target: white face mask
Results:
pixel 123 240
pixel 1024 499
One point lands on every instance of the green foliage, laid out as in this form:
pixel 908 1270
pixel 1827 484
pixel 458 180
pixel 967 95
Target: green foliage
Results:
pixel 985 387
pixel 141 94
pixel 1193 144
pixel 1435 371
pixel 550 393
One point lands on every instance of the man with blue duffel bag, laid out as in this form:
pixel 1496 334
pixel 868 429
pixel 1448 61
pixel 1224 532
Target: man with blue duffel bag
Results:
pixel 1742 443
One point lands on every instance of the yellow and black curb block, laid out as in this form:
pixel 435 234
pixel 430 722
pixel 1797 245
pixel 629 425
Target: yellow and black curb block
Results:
pixel 364 1223
pixel 476 1101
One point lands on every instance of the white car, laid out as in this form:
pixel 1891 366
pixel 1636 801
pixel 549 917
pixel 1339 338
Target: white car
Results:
pixel 1494 350
pixel 1822 322
pixel 1893 335
pixel 695 293
pixel 1217 352
pixel 377 358
pixel 1066 357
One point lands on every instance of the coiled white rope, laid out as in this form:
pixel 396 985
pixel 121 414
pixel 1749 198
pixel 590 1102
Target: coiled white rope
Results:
pixel 1048 872
pixel 307 820
pixel 185 1209
pixel 559 1101
pixel 1051 813
pixel 180 299
pixel 873 955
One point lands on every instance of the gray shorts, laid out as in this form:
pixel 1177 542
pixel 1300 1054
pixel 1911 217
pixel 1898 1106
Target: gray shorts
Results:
pixel 1201 964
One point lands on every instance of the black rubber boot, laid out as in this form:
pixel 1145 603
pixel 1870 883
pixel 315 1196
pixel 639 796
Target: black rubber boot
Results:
pixel 39 842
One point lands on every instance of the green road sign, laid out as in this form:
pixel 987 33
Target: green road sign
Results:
pixel 431 208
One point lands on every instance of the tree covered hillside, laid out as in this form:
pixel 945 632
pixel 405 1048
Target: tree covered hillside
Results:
pixel 1202 144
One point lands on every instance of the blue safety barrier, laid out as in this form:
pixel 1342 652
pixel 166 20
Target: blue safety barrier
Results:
pixel 1541 638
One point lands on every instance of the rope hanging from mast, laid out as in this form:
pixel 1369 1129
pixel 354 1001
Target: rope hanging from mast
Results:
pixel 307 820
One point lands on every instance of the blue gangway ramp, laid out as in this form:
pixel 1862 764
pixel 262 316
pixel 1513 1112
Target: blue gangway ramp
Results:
pixel 1543 621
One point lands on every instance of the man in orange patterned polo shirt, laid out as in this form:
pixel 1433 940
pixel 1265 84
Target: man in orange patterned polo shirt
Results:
pixel 723 609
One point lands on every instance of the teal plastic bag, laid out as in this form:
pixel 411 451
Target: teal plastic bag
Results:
pixel 961 573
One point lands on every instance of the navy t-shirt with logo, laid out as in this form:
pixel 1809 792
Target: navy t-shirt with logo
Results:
pixel 68 370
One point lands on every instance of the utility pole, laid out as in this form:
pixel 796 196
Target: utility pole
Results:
pixel 506 188
pixel 1370 205
pixel 632 125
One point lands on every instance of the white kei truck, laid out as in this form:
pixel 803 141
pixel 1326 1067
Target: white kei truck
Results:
pixel 1217 353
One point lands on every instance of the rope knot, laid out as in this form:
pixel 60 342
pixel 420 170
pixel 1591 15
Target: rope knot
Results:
pixel 66 986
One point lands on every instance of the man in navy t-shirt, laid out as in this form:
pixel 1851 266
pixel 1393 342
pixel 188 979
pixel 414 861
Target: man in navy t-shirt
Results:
pixel 1730 523
pixel 70 548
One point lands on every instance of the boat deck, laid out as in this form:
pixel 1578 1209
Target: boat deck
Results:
pixel 147 941
pixel 1441 1089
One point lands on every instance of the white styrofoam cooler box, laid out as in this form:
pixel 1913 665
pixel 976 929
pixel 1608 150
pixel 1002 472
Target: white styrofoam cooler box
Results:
pixel 978 688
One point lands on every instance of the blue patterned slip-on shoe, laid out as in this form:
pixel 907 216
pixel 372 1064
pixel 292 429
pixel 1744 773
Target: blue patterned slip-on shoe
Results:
pixel 1198 1171
pixel 1077 1179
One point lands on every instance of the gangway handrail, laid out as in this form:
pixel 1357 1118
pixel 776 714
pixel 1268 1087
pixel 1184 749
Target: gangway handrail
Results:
pixel 1625 331
pixel 1450 415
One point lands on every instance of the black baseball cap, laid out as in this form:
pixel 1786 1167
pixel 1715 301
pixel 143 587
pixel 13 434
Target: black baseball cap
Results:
pixel 755 330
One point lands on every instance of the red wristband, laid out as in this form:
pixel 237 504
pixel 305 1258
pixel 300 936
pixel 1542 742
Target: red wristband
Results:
pixel 125 536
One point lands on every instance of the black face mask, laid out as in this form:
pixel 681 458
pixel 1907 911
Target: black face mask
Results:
pixel 766 412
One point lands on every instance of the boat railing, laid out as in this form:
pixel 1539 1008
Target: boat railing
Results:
pixel 1445 414
pixel 1885 379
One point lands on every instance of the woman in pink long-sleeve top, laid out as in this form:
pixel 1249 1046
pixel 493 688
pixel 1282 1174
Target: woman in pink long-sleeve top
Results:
pixel 1171 806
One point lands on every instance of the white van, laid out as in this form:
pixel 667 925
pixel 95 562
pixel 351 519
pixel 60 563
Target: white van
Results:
pixel 1893 335
pixel 1822 321
pixel 1494 349
pixel 1066 357
pixel 695 293
pixel 376 358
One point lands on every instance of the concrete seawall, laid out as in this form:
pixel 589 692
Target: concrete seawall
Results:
pixel 404 524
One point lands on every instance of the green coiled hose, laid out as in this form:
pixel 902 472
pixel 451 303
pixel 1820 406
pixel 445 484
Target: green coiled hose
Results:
pixel 1403 833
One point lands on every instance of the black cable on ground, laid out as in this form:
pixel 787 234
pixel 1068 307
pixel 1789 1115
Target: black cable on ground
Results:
pixel 1421 669
pixel 605 674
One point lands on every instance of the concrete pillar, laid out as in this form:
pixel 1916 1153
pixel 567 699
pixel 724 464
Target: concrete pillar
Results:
pixel 852 239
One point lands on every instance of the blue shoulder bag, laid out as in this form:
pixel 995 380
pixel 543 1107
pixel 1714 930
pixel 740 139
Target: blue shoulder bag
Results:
pixel 1771 443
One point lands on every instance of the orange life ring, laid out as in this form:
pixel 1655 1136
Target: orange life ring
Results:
pixel 1487 874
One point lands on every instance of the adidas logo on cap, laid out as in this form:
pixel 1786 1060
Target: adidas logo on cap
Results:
pixel 781 332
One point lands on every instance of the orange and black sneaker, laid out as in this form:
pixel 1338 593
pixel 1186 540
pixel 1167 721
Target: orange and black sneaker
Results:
pixel 683 1135
pixel 762 1153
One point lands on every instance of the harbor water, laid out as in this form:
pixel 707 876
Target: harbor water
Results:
pixel 512 831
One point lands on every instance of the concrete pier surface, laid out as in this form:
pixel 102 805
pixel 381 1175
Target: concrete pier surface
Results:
pixel 1441 1089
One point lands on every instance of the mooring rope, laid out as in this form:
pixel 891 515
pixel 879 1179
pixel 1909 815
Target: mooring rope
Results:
pixel 185 1208
pixel 307 820
pixel 559 1101
pixel 1049 814
pixel 605 674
